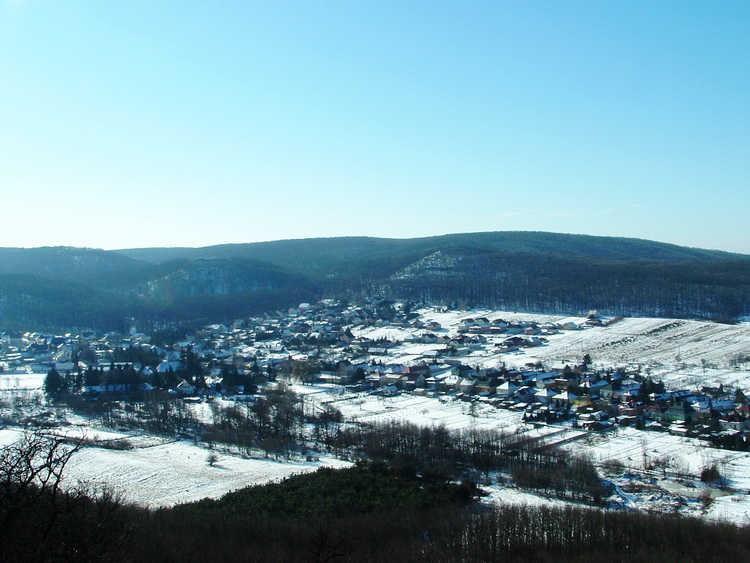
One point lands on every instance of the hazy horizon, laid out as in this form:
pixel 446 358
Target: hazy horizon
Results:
pixel 348 236
pixel 175 124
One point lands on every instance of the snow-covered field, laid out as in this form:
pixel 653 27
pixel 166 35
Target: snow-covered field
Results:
pixel 426 411
pixel 158 472
pixel 21 380
pixel 677 486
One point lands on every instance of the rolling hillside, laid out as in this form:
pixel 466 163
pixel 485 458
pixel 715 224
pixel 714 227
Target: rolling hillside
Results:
pixel 527 271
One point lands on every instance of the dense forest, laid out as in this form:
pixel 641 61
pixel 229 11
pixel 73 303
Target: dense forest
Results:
pixel 370 512
pixel 546 272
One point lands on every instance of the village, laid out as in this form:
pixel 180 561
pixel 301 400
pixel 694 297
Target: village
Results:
pixel 386 349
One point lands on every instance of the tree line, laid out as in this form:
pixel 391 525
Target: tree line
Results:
pixel 371 512
pixel 281 424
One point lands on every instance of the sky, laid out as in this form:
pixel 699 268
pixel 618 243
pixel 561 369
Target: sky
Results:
pixel 127 124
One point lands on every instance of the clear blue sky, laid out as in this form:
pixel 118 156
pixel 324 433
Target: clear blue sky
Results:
pixel 159 123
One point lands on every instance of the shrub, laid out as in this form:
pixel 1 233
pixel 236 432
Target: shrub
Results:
pixel 710 474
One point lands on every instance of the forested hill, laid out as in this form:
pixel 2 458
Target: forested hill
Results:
pixel 538 271
pixel 323 254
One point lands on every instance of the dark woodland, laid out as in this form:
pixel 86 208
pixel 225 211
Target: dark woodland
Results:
pixel 518 271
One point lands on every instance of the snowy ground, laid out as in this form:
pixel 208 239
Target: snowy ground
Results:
pixel 21 380
pixel 425 411
pixel 677 486
pixel 159 472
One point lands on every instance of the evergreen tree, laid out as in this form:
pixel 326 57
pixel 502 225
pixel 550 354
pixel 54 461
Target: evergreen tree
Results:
pixel 92 376
pixel 190 366
pixel 54 384
pixel 739 396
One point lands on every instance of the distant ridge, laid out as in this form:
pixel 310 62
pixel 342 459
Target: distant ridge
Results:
pixel 557 273
pixel 315 253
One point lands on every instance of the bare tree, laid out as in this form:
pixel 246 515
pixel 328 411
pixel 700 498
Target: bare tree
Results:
pixel 39 517
pixel 212 459
pixel 31 471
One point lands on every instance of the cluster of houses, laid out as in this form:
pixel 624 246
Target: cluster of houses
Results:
pixel 595 400
pixel 38 352
pixel 324 343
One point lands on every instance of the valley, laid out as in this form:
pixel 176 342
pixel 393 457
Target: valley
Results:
pixel 685 355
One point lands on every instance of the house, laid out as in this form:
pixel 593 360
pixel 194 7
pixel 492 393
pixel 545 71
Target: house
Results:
pixel 734 421
pixel 559 384
pixel 545 395
pixel 564 399
pixel 467 386
pixel 389 390
pixel 631 408
pixel 723 406
pixel 414 381
pixel 654 412
pixel 526 394
pixel 436 383
pixel 593 388
pixel 394 379
pixel 592 420
pixel 514 342
pixel 679 412
pixel 507 389
pixel 453 382
pixel 628 390
pixel 681 395
pixel 714 392
pixel 185 388
pixel 486 386
pixel 421 369
pixel 443 369
pixel 465 324
pixel 413 377
pixel 679 429
pixel 428 338
pixel 538 378
pixel 701 406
